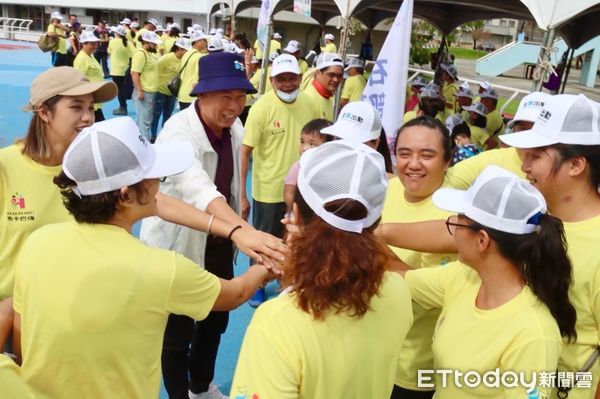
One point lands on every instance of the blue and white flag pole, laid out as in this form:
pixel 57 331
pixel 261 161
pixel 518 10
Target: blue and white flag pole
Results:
pixel 386 87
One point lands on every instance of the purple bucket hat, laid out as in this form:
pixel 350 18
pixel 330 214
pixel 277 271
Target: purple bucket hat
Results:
pixel 222 71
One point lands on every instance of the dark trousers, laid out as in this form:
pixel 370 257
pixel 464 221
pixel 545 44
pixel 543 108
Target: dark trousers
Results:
pixel 120 82
pixel 267 217
pixel 183 106
pixel 102 58
pixel 191 347
pixel 98 115
pixel 403 393
pixel 163 105
pixel 59 59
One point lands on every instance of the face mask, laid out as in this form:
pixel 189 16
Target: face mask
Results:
pixel 287 97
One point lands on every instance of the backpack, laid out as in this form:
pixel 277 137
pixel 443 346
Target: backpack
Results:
pixel 47 43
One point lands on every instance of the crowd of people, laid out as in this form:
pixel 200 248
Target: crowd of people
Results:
pixel 467 248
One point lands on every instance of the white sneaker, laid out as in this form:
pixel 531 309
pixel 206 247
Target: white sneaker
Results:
pixel 212 393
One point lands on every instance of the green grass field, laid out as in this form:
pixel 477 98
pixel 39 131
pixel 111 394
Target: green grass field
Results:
pixel 511 108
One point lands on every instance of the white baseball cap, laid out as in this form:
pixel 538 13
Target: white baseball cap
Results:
pixel 183 43
pixel 564 119
pixel 419 81
pixel 199 27
pixel 285 63
pixel 160 28
pixel 464 92
pixel 197 35
pixel 489 93
pixel 272 56
pixel 212 31
pixel 276 35
pixel 292 47
pixel 530 107
pixel 343 169
pixel 451 69
pixel 355 63
pixel 174 25
pixel 498 199
pixel 452 121
pixel 429 91
pixel 88 37
pixel 478 108
pixel 485 85
pixel 326 60
pixel 154 22
pixel 119 30
pixel 329 36
pixel 113 154
pixel 215 44
pixel 134 25
pixel 125 21
pixel 56 15
pixel 151 37
pixel 357 121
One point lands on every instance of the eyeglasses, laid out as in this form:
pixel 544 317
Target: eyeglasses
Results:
pixel 162 179
pixel 451 225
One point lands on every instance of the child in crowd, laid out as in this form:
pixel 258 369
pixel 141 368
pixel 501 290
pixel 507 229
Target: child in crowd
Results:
pixel 460 138
pixel 310 137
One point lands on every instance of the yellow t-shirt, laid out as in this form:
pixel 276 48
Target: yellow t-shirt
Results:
pixel 119 56
pixel 138 36
pixel 189 74
pixel 520 336
pixel 353 88
pixel 103 298
pixel 410 115
pixel 462 175
pixel 307 78
pixel 303 65
pixel 130 35
pixel 168 42
pixel 31 200
pixel 62 38
pixel 416 352
pixel 494 123
pixel 255 79
pixel 168 67
pixel 274 47
pixel 12 384
pixel 273 130
pixel 478 135
pixel 324 105
pixel 90 67
pixel 329 48
pixel 582 240
pixel 448 91
pixel 287 354
pixel 146 64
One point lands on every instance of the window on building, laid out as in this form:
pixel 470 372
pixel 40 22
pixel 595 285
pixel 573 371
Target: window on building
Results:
pixel 512 24
pixel 185 22
pixel 168 20
pixel 503 22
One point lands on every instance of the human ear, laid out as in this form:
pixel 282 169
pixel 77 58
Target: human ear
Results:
pixel 44 113
pixel 577 166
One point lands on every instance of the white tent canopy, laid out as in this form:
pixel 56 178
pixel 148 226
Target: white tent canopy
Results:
pixel 577 20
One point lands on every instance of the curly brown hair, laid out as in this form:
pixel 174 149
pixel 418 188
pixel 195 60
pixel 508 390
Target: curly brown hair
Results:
pixel 331 269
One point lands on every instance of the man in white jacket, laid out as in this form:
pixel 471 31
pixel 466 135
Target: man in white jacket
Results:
pixel 211 124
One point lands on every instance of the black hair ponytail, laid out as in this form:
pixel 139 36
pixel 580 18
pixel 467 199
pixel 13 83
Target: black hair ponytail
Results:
pixel 545 266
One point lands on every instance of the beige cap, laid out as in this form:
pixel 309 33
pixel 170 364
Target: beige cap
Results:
pixel 67 81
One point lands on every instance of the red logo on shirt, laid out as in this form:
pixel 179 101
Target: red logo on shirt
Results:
pixel 277 124
pixel 17 200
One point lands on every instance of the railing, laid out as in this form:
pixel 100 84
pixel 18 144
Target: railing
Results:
pixel 515 92
pixel 10 26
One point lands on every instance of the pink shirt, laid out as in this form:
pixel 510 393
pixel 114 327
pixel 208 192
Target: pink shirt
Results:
pixel 292 176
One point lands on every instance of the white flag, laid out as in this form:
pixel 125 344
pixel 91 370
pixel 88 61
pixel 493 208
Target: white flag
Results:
pixel 302 7
pixel 386 87
pixel 263 23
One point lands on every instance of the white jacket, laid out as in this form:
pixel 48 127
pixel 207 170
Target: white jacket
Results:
pixel 195 186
